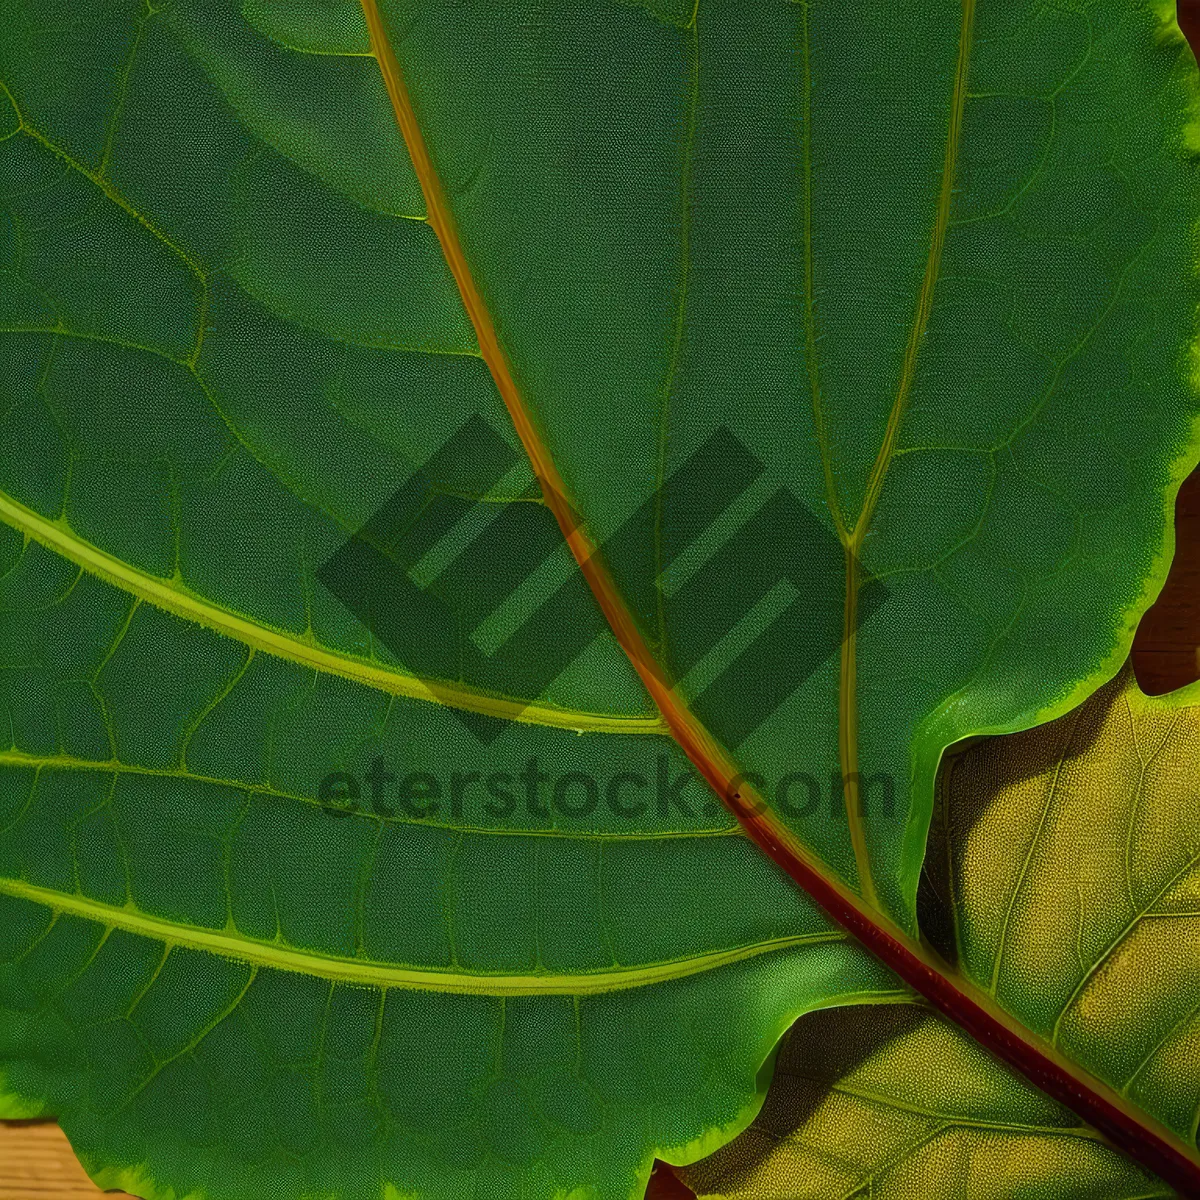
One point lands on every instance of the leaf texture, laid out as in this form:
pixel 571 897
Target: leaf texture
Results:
pixel 1063 877
pixel 944 310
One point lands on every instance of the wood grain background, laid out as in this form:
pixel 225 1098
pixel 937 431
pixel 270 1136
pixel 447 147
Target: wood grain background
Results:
pixel 37 1163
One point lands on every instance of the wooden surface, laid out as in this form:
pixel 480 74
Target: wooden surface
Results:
pixel 1165 649
pixel 36 1163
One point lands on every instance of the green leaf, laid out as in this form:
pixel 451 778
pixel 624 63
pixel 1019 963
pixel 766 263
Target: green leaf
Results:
pixel 222 988
pixel 940 297
pixel 933 265
pixel 1065 875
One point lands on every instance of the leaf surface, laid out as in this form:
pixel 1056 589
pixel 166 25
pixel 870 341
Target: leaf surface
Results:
pixel 1064 873
pixel 894 1103
pixel 941 315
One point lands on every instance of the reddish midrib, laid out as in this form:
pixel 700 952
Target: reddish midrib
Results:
pixel 1151 1144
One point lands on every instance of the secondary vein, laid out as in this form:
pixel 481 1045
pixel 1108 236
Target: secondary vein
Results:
pixel 175 598
pixel 933 266
pixel 22 760
pixel 810 320
pixel 854 539
pixel 230 943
